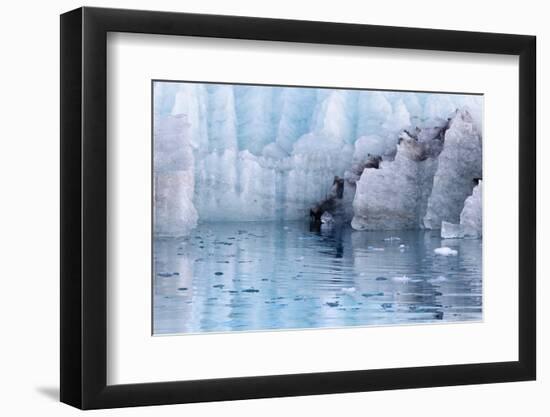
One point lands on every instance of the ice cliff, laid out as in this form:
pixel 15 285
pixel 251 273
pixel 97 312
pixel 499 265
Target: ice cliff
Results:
pixel 395 195
pixel 470 225
pixel 174 177
pixel 246 153
pixel 458 165
pixel 433 172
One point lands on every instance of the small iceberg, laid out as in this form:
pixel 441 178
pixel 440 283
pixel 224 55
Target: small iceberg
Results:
pixel 445 251
pixel 348 290
pixel 392 239
pixel 403 278
pixel 440 278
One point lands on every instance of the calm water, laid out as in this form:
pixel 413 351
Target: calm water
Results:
pixel 261 276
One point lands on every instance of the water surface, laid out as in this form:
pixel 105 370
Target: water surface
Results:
pixel 253 276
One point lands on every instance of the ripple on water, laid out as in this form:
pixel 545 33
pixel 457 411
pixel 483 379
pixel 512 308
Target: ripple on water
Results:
pixel 261 276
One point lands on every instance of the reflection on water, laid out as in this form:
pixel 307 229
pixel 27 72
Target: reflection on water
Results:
pixel 261 276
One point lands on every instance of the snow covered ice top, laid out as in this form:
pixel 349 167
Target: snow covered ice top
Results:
pixel 271 153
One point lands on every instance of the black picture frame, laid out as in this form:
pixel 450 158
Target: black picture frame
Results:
pixel 84 207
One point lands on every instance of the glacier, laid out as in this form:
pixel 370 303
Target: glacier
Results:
pixel 460 163
pixel 379 160
pixel 470 225
pixel 393 196
pixel 174 177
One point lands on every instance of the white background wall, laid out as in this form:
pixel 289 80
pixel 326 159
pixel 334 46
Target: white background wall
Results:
pixel 29 211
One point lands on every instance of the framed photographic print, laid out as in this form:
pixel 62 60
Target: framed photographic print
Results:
pixel 257 207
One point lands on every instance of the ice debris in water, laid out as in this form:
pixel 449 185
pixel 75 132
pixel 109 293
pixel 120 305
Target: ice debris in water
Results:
pixel 446 251
pixel 406 279
pixel 402 278
pixel 440 278
pixel 348 290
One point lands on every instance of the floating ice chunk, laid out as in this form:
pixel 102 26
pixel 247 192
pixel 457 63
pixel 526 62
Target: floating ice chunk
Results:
pixel 445 251
pixel 401 246
pixel 348 290
pixel 402 278
pixel 440 278
pixel 406 279
pixel 392 238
